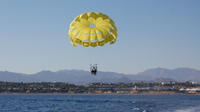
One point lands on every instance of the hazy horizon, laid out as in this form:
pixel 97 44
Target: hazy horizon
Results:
pixel 152 34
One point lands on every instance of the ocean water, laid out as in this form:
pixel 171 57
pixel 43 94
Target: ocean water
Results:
pixel 98 103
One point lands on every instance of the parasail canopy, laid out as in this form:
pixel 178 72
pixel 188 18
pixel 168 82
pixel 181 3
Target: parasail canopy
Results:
pixel 92 29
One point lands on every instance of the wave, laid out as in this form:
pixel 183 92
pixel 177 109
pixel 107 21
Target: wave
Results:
pixel 190 109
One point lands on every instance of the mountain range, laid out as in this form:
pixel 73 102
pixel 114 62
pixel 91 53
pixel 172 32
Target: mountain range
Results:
pixel 83 77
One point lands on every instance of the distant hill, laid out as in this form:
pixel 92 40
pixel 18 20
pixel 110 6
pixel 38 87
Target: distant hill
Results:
pixel 179 74
pixel 82 77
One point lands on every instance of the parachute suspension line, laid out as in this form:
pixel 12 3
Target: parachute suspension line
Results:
pixel 93 65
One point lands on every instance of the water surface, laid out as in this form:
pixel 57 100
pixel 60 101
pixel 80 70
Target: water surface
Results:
pixel 98 103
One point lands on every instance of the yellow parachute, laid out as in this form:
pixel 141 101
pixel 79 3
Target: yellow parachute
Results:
pixel 92 29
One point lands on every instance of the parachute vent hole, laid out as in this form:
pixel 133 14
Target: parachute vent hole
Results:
pixel 94 41
pixel 92 25
pixel 85 40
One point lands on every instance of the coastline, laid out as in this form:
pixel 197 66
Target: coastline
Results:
pixel 96 93
pixel 100 88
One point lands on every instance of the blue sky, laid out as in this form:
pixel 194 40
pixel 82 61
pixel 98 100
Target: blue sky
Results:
pixel 152 33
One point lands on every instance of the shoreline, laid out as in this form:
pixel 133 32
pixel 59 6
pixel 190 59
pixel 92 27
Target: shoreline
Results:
pixel 143 93
pixel 100 88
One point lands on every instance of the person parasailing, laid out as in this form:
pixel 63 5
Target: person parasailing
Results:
pixel 92 29
pixel 93 69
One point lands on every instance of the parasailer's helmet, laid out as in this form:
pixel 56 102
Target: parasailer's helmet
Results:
pixel 92 29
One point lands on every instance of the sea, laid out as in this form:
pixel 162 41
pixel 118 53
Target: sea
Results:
pixel 98 103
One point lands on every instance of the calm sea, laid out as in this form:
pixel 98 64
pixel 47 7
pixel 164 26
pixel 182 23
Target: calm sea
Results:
pixel 99 103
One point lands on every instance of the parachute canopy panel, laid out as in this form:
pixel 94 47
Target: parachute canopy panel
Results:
pixel 92 29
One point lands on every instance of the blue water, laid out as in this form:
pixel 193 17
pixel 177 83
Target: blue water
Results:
pixel 99 103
